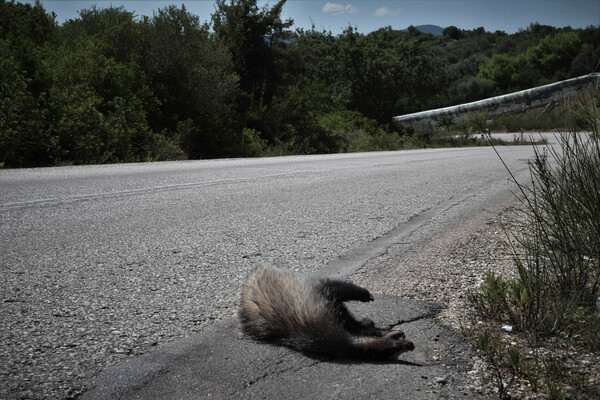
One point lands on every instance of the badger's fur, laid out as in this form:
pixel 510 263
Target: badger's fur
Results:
pixel 309 314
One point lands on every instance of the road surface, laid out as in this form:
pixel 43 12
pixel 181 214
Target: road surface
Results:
pixel 102 264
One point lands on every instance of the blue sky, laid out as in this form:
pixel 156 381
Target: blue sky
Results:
pixel 335 15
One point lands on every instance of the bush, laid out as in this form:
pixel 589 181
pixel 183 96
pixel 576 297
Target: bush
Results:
pixel 559 266
pixel 556 247
pixel 350 129
pixel 252 144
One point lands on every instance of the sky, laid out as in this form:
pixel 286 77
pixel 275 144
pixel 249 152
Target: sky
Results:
pixel 335 16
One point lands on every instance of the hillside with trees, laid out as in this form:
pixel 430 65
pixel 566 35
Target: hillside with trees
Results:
pixel 111 87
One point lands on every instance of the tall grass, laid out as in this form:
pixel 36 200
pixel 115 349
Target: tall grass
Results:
pixel 556 248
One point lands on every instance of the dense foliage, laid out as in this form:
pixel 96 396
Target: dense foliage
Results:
pixel 112 87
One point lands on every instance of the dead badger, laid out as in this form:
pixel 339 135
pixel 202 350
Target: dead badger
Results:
pixel 309 314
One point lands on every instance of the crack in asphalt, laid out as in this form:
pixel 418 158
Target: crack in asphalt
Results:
pixel 355 259
pixel 429 315
pixel 352 261
pixel 271 373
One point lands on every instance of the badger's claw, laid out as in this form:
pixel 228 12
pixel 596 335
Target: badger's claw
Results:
pixel 396 335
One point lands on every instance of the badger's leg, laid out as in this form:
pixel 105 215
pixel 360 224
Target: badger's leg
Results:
pixel 336 290
pixel 366 327
pixel 388 333
pixel 362 327
pixel 383 348
pixel 367 323
pixel 393 334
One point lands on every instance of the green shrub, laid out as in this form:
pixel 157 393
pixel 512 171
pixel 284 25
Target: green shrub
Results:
pixel 351 129
pixel 556 248
pixel 252 144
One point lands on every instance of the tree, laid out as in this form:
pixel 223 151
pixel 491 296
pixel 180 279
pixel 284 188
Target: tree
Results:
pixel 114 28
pixel 99 106
pixel 452 32
pixel 588 60
pixel 389 75
pixel 192 75
pixel 553 56
pixel 552 59
pixel 499 70
pixel 314 62
pixel 413 31
pixel 256 39
pixel 24 141
pixel 27 39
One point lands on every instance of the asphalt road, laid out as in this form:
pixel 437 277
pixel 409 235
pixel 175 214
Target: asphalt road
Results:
pixel 103 263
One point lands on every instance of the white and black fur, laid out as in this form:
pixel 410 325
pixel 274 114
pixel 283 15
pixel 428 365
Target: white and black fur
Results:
pixel 309 314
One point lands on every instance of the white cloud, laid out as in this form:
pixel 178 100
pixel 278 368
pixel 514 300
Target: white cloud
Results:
pixel 380 12
pixel 339 9
pixel 332 8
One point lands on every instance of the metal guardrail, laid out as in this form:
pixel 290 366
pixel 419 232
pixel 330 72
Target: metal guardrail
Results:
pixel 513 102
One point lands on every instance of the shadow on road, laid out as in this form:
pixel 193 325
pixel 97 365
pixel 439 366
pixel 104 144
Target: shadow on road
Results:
pixel 218 364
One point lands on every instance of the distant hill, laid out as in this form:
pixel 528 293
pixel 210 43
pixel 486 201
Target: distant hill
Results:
pixel 433 29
